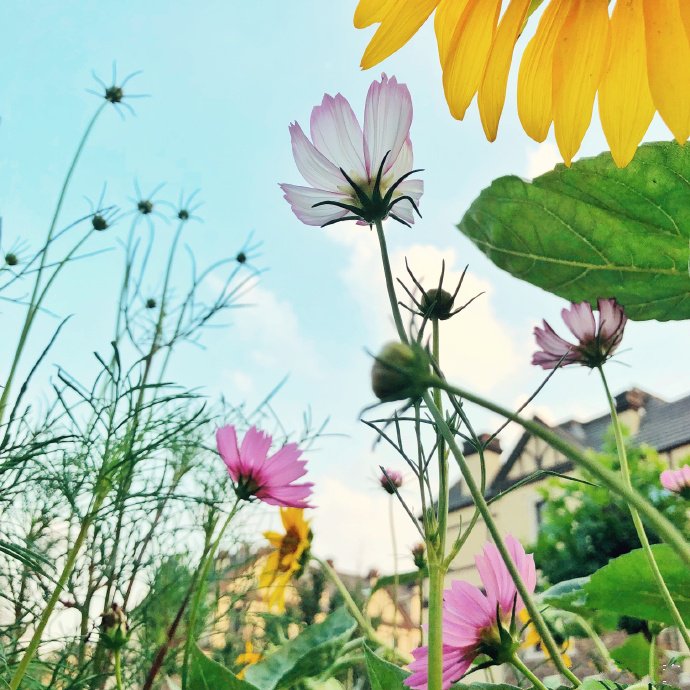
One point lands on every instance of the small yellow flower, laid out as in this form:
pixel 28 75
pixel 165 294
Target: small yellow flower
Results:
pixel 637 60
pixel 533 639
pixel 248 658
pixel 291 551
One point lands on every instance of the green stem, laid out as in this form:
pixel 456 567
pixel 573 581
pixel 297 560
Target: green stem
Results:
pixel 482 506
pixel 67 569
pixel 653 665
pixel 435 628
pixel 663 527
pixel 117 656
pixel 33 307
pixel 443 487
pixel 389 283
pixel 637 521
pixel 596 640
pixel 396 582
pixel 200 578
pixel 520 666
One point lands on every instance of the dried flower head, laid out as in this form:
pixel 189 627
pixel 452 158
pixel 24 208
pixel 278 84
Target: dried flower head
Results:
pixel 114 628
pixel 419 556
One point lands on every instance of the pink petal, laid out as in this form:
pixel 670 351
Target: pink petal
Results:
pixel 315 168
pixel 612 320
pixel 669 481
pixel 254 449
pixel 302 200
pixel 580 320
pixel 402 164
pixel 403 209
pixel 455 664
pixel 549 341
pixel 226 442
pixel 387 121
pixel 293 496
pixel 336 132
pixel 685 474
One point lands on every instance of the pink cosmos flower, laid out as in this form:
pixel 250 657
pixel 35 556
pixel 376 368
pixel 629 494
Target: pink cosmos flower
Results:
pixel 354 172
pixel 475 623
pixel 677 481
pixel 596 343
pixel 254 473
pixel 391 480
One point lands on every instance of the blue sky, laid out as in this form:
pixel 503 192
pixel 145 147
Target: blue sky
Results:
pixel 225 80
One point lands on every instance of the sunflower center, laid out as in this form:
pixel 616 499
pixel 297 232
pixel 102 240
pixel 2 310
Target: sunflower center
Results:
pixel 288 547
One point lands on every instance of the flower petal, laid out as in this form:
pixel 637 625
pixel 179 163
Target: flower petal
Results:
pixel 387 121
pixel 370 12
pixel 580 320
pixel 535 78
pixel 315 168
pixel 612 320
pixel 492 90
pixel 254 448
pixel 403 209
pixel 337 134
pixel 578 66
pixel 668 63
pixel 446 18
pixel 402 20
pixel 467 54
pixel 625 101
pixel 302 200
pixel 226 441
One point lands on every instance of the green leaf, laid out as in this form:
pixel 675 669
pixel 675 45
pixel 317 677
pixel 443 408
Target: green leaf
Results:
pixel 568 595
pixel 484 686
pixel 594 230
pixel 382 674
pixel 593 684
pixel 410 578
pixel 308 655
pixel 626 586
pixel 633 655
pixel 206 674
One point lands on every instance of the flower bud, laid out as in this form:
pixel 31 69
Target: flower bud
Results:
pixel 98 222
pixel 418 556
pixel 145 207
pixel 241 258
pixel 437 304
pixel 400 372
pixel 391 480
pixel 114 628
pixel 11 259
pixel 151 303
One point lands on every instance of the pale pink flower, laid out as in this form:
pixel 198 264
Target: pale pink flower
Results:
pixel 391 480
pixel 677 481
pixel 595 343
pixel 473 620
pixel 357 173
pixel 256 474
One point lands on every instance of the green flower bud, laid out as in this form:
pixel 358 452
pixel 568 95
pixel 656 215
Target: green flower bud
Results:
pixel 437 304
pixel 400 372
pixel 11 259
pixel 418 556
pixel 114 628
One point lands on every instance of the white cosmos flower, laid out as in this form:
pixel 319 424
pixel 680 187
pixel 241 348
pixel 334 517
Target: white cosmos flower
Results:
pixel 357 173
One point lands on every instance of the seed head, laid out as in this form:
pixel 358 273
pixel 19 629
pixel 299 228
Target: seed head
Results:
pixel 114 94
pixel 418 556
pixel 11 259
pixel 99 222
pixel 151 303
pixel 145 206
pixel 241 258
pixel 437 304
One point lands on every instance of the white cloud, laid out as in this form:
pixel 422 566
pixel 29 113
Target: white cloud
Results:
pixel 542 159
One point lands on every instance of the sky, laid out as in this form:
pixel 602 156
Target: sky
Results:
pixel 225 79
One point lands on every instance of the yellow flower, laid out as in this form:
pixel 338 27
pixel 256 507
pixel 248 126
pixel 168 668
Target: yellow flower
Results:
pixel 291 551
pixel 533 639
pixel 247 659
pixel 637 60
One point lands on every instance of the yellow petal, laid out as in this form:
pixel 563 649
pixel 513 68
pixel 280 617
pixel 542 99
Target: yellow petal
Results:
pixel 274 539
pixel 468 52
pixel 370 12
pixel 535 78
pixel 668 63
pixel 578 66
pixel 625 102
pixel 492 91
pixel 446 18
pixel 401 21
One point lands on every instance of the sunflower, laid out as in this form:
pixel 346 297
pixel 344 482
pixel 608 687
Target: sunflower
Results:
pixel 637 60
pixel 533 639
pixel 248 658
pixel 290 555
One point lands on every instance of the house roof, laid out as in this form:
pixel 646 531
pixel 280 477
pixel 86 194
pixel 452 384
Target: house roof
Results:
pixel 663 426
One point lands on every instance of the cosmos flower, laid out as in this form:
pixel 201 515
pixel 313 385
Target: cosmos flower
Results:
pixel 595 343
pixel 354 172
pixel 391 480
pixel 677 481
pixel 256 474
pixel 248 658
pixel 288 559
pixel 475 622
pixel 637 60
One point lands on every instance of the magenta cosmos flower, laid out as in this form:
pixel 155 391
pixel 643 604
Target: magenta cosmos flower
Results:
pixel 596 342
pixel 677 481
pixel 256 474
pixel 354 172
pixel 391 480
pixel 475 622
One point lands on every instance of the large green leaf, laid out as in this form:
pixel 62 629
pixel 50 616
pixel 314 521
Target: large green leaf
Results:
pixel 308 655
pixel 626 586
pixel 382 674
pixel 594 230
pixel 206 674
pixel 633 655
pixel 568 595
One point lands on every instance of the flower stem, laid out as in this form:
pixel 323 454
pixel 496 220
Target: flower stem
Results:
pixel 396 580
pixel 389 283
pixel 435 631
pixel 117 657
pixel 653 665
pixel 598 643
pixel 480 502
pixel 520 666
pixel 663 527
pixel 202 573
pixel 637 521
